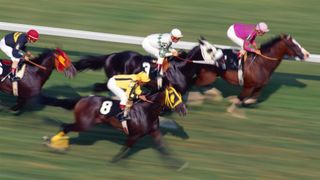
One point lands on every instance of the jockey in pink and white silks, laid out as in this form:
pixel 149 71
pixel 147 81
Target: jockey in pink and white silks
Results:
pixel 159 46
pixel 244 35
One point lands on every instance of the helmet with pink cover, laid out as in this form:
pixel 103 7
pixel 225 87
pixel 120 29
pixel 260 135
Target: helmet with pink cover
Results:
pixel 262 26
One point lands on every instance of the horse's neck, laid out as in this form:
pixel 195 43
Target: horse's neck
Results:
pixel 48 63
pixel 190 69
pixel 158 99
pixel 277 51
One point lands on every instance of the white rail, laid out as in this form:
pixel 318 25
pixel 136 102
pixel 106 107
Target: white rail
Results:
pixel 98 36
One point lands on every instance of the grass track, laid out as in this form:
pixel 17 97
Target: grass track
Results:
pixel 278 140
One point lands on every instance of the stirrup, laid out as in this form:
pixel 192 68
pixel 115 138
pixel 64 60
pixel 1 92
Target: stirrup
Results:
pixel 125 126
pixel 14 78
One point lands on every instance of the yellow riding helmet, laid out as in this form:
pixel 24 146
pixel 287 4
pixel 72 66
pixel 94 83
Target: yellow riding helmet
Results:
pixel 142 76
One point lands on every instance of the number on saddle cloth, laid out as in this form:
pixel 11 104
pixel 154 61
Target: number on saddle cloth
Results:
pixel 110 107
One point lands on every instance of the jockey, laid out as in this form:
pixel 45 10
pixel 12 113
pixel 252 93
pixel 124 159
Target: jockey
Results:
pixel 13 44
pixel 159 45
pixel 127 88
pixel 244 35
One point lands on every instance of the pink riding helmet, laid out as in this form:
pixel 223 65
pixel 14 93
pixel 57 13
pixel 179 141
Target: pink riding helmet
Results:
pixel 262 26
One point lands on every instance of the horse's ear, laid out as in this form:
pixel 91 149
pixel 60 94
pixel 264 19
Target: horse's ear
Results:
pixel 288 36
pixel 201 40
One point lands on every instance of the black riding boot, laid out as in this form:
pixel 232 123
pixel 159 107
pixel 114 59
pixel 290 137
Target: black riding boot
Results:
pixel 13 76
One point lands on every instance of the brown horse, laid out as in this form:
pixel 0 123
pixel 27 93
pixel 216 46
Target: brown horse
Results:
pixel 257 68
pixel 34 77
pixel 92 110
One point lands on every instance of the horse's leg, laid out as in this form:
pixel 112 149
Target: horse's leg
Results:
pixel 20 102
pixel 161 147
pixel 131 140
pixel 236 102
pixel 100 87
pixel 245 94
pixel 254 96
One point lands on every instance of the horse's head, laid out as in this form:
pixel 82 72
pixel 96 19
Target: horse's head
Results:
pixel 173 100
pixel 294 49
pixel 208 51
pixel 63 63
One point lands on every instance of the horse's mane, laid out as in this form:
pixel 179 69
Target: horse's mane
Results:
pixel 155 96
pixel 42 56
pixel 271 42
pixel 192 51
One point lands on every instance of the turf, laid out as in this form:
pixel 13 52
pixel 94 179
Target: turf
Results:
pixel 278 139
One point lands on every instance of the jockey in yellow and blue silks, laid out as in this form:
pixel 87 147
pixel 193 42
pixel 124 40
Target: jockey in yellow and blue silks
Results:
pixel 14 46
pixel 128 87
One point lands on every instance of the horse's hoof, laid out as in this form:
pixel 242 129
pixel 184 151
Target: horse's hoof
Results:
pixel 14 109
pixel 236 112
pixel 123 152
pixel 183 166
pixel 57 148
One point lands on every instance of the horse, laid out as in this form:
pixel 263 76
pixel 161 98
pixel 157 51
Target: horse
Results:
pixel 257 68
pixel 124 62
pixel 144 119
pixel 37 72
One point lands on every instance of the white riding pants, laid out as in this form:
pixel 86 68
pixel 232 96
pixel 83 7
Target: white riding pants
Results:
pixel 7 50
pixel 232 35
pixel 117 91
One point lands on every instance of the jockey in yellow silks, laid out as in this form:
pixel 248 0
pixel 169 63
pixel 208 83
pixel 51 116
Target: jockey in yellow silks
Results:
pixel 128 88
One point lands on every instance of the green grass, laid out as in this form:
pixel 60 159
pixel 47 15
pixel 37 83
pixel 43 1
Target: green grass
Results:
pixel 210 18
pixel 277 140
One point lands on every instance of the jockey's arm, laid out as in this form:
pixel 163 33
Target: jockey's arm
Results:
pixel 29 54
pixel 254 44
pixel 133 92
pixel 246 46
pixel 16 52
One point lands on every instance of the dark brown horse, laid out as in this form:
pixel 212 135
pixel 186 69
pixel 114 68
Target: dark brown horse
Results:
pixel 125 62
pixel 34 77
pixel 257 68
pixel 92 110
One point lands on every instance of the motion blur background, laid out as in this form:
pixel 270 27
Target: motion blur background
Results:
pixel 278 139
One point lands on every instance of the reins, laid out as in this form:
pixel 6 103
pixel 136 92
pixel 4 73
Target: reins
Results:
pixel 268 58
pixel 35 64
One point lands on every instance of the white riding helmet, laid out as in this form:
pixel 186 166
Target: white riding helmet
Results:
pixel 176 33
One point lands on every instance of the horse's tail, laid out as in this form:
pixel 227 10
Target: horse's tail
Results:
pixel 68 104
pixel 90 62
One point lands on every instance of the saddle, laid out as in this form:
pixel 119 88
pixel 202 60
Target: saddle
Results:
pixel 5 67
pixel 229 60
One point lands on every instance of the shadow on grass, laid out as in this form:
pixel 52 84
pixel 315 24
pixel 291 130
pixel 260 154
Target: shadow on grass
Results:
pixel 103 132
pixel 277 81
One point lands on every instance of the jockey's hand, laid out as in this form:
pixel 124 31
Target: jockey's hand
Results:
pixel 26 58
pixel 144 98
pixel 175 53
pixel 29 54
pixel 257 51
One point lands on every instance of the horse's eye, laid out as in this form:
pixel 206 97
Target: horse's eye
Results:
pixel 209 50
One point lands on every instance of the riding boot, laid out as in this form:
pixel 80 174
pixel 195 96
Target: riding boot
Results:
pixel 13 75
pixel 159 75
pixel 125 118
